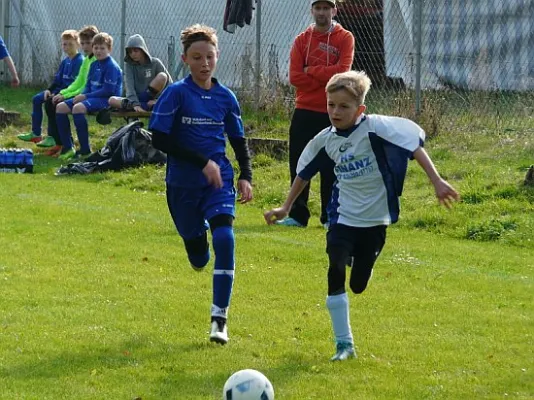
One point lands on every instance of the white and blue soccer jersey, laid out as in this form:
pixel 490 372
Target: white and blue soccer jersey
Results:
pixel 370 166
pixel 104 79
pixel 198 119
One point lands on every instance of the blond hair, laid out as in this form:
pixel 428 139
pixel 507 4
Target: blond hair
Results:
pixel 356 83
pixel 103 38
pixel 198 33
pixel 70 34
pixel 88 32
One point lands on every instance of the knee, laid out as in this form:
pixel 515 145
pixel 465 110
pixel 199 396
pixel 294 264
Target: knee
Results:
pixel 62 108
pixel 159 81
pixel 358 287
pixel 79 109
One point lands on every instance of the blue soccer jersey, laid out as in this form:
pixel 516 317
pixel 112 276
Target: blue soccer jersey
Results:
pixel 104 79
pixel 3 49
pixel 67 72
pixel 370 166
pixel 197 119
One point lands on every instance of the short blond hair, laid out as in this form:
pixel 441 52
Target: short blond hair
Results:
pixel 103 38
pixel 356 83
pixel 70 34
pixel 198 33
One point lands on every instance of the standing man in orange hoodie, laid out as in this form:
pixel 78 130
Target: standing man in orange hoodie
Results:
pixel 324 49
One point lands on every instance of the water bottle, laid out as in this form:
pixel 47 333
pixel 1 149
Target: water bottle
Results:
pixel 2 161
pixel 28 160
pixel 10 160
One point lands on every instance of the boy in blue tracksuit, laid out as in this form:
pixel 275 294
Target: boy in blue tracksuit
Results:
pixel 189 123
pixel 103 81
pixel 65 75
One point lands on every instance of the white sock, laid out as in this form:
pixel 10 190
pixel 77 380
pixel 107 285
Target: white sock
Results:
pixel 216 311
pixel 338 307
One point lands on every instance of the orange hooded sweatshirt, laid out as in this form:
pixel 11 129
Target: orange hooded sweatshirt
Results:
pixel 324 54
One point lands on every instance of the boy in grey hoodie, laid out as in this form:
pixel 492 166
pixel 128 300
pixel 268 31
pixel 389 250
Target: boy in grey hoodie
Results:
pixel 145 77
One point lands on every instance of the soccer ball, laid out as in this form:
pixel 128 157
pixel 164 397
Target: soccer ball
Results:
pixel 248 384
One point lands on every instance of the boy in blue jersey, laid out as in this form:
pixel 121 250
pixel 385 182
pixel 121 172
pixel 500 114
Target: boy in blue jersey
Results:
pixel 103 81
pixel 65 75
pixel 189 123
pixel 371 154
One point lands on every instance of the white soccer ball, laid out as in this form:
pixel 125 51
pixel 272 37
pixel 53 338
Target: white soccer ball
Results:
pixel 248 384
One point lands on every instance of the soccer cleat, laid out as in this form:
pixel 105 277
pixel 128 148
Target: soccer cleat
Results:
pixel 54 151
pixel 219 331
pixel 30 137
pixel 344 351
pixel 67 155
pixel 289 222
pixel 47 142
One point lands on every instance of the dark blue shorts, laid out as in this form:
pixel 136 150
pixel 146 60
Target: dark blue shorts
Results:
pixel 191 208
pixel 92 105
pixel 144 98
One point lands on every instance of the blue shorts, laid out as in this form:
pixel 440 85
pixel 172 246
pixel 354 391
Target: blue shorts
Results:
pixel 191 208
pixel 144 98
pixel 92 105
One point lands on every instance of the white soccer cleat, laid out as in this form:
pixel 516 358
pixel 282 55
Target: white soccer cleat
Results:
pixel 344 351
pixel 219 331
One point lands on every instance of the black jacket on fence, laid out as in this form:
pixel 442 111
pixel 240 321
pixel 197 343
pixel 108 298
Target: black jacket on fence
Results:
pixel 129 146
pixel 237 12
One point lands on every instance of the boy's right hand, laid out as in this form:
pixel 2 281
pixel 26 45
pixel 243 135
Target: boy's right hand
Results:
pixel 58 98
pixel 276 214
pixel 212 173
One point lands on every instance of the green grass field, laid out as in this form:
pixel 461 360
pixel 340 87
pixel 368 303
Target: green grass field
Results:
pixel 98 301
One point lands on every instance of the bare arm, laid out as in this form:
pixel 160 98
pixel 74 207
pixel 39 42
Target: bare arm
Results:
pixel 444 191
pixel 279 213
pixel 15 81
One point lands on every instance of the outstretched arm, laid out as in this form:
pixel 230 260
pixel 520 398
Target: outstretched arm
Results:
pixel 444 191
pixel 15 81
pixel 279 213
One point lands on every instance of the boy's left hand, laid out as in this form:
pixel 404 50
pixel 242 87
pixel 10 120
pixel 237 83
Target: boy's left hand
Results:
pixel 79 99
pixel 244 188
pixel 445 193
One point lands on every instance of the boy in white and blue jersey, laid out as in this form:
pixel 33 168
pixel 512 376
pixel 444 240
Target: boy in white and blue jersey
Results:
pixel 103 81
pixel 189 123
pixel 371 154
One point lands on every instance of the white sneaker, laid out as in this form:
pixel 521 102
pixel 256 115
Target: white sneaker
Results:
pixel 219 331
pixel 344 351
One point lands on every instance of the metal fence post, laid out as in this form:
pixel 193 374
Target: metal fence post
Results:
pixel 258 55
pixel 123 33
pixel 418 39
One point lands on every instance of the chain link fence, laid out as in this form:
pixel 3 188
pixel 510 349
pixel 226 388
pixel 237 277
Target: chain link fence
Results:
pixel 439 61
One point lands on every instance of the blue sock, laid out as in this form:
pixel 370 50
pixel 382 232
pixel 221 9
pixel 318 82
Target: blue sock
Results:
pixel 83 132
pixel 63 127
pixel 37 113
pixel 223 272
pixel 338 307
